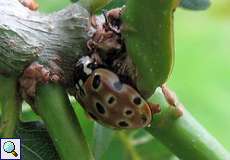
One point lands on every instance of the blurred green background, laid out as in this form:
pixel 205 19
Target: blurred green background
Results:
pixel 201 76
pixel 201 79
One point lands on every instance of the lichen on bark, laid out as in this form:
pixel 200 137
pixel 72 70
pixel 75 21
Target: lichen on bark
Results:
pixel 55 40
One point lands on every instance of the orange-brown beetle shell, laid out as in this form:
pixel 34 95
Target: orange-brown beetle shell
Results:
pixel 114 104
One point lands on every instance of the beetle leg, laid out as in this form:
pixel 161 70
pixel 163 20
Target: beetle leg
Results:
pixel 93 21
pixel 169 95
pixel 104 12
pixel 155 108
pixel 97 59
pixel 111 15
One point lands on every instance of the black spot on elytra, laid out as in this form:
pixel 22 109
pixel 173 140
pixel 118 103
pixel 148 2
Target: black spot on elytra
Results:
pixel 92 115
pixel 96 81
pixel 123 124
pixel 117 85
pixel 100 108
pixel 137 100
pixel 128 112
pixel 111 100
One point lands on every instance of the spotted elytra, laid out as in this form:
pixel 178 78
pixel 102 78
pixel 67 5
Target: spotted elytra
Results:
pixel 109 101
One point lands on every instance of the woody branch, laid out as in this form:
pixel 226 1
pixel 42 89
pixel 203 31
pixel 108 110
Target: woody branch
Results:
pixel 54 40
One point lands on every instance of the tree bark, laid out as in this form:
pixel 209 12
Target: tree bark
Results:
pixel 55 40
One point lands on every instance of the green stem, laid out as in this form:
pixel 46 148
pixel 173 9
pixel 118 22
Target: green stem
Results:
pixel 63 126
pixel 102 138
pixel 130 148
pixel 148 32
pixel 93 5
pixel 184 136
pixel 10 104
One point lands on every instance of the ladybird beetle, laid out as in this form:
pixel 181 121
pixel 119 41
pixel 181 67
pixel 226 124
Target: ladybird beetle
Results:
pixel 109 101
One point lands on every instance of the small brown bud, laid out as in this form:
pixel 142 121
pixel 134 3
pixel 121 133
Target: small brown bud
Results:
pixel 31 4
